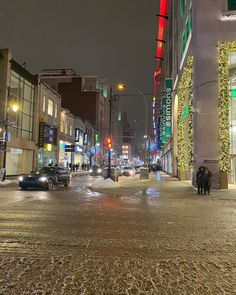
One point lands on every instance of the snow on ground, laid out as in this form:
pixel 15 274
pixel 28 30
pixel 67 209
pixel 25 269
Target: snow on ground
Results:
pixel 105 183
pixel 125 185
pixel 8 182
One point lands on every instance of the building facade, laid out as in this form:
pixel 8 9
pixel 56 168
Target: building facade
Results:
pixel 66 138
pixel 17 87
pixel 48 117
pixel 197 53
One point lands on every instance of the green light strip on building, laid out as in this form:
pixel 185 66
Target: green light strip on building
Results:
pixel 233 92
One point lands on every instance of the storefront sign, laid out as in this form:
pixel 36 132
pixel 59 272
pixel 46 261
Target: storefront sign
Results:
pixel 16 151
pixel 50 134
pixel 85 139
pixel 70 148
pixel 163 121
pixel 168 103
pixel 77 134
pixel 41 135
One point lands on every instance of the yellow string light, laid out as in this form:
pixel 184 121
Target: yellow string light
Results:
pixel 224 50
pixel 185 90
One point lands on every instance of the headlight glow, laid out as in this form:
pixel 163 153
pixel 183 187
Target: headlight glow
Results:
pixel 99 170
pixel 21 178
pixel 43 179
pixel 90 170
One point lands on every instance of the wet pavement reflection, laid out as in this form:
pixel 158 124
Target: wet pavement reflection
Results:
pixel 162 239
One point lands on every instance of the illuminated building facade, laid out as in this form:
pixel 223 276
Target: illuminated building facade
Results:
pixel 17 86
pixel 198 55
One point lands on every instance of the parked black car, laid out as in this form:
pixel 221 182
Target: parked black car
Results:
pixel 45 178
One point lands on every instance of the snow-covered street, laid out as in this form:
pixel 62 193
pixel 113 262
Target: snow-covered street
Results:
pixel 162 239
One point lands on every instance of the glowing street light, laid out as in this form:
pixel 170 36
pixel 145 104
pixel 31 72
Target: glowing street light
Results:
pixel 121 86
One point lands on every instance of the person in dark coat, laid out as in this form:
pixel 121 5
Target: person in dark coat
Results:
pixel 207 181
pixel 76 167
pixel 200 177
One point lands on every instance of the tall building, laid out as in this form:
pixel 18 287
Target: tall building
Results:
pixel 86 97
pixel 196 76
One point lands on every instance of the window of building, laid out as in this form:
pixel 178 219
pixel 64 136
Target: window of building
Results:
pixel 62 126
pixel 66 128
pixel 23 92
pixel 231 4
pixel 70 130
pixel 55 110
pixel 50 107
pixel 44 104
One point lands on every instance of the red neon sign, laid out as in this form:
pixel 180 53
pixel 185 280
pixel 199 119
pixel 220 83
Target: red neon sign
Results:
pixel 164 4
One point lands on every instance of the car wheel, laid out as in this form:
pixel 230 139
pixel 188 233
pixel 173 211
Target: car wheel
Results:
pixel 23 188
pixel 50 184
pixel 66 184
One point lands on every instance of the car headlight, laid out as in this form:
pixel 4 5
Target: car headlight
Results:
pixel 90 170
pixel 99 170
pixel 21 178
pixel 43 179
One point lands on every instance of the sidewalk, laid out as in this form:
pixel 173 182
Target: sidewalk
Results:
pixel 164 183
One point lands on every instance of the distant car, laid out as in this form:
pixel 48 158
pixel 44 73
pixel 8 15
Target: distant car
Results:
pixel 129 171
pixel 95 170
pixel 45 178
pixel 119 170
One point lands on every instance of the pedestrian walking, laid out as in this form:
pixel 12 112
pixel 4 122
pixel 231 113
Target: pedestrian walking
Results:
pixel 207 181
pixel 200 179
pixel 76 167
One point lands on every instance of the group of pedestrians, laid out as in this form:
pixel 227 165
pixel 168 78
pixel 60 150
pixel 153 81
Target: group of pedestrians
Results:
pixel 203 178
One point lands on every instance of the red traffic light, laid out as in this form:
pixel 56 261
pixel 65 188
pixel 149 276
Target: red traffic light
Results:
pixel 109 143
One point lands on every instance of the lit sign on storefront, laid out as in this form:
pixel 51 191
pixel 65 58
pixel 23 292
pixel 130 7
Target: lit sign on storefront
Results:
pixel 41 135
pixel 168 103
pixel 85 139
pixel 77 134
pixel 48 147
pixel 50 134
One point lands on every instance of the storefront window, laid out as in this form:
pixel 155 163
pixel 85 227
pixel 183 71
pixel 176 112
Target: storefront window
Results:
pixel 231 5
pixel 19 161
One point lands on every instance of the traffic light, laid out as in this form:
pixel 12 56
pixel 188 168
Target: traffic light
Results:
pixel 109 143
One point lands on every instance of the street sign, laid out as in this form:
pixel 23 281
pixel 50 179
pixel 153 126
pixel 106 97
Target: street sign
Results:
pixel 70 148
pixel 12 123
pixel 2 173
pixel 2 145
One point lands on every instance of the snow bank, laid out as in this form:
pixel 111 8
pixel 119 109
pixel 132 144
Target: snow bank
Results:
pixel 106 183
pixel 8 182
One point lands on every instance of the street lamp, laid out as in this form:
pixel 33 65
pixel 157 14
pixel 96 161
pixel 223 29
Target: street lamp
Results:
pixel 14 107
pixel 112 98
pixel 122 86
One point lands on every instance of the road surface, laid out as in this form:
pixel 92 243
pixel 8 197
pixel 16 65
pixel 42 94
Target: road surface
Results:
pixel 163 240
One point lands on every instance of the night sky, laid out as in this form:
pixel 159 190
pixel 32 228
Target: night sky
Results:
pixel 105 38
